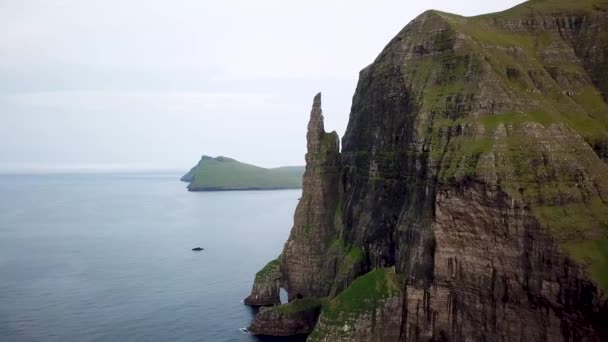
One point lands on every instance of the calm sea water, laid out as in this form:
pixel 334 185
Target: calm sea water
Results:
pixel 108 257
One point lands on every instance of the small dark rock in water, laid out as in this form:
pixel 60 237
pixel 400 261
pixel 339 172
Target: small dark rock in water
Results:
pixel 198 249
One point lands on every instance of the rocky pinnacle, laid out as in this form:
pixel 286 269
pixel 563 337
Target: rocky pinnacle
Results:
pixel 315 126
pixel 305 264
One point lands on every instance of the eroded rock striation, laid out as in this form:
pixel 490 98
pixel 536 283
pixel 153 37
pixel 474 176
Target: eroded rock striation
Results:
pixel 469 201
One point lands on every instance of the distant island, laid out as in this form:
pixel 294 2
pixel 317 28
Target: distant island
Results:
pixel 222 173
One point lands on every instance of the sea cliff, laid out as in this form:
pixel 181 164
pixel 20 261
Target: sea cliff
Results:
pixel 469 201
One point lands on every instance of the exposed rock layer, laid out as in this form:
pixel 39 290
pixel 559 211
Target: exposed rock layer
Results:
pixel 473 164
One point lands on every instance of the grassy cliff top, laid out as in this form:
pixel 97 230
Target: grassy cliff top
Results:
pixel 551 7
pixel 223 173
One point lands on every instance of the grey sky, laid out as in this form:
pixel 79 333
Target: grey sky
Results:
pixel 155 84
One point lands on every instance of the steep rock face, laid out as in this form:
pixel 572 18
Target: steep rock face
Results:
pixel 306 262
pixel 474 164
pixel 472 169
pixel 498 274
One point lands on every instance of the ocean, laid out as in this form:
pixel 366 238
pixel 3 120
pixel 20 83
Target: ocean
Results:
pixel 108 257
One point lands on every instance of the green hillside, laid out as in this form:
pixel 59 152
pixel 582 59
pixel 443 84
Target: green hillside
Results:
pixel 222 173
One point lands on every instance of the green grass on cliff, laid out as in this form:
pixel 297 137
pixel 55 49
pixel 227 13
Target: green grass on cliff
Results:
pixel 270 268
pixel 593 254
pixel 517 118
pixel 363 294
pixel 350 261
pixel 582 230
pixel 517 59
pixel 223 173
pixel 329 144
pixel 300 305
pixel 550 7
pixel 352 254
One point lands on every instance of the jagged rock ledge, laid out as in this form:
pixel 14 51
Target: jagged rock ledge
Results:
pixel 295 318
pixel 266 286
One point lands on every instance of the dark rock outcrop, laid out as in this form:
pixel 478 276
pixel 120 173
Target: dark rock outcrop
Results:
pixel 474 166
pixel 266 286
pixel 296 318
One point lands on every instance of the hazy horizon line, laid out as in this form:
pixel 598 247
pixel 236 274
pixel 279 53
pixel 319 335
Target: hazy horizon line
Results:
pixel 26 168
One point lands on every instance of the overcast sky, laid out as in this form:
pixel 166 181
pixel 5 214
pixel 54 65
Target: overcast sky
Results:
pixel 155 84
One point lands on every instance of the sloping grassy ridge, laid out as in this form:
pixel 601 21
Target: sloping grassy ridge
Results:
pixel 222 173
